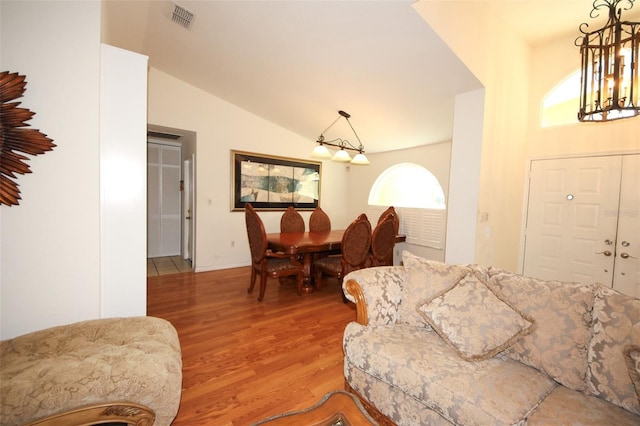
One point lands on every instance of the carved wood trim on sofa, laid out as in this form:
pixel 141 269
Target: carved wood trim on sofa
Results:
pixel 354 289
pixel 116 412
pixel 373 411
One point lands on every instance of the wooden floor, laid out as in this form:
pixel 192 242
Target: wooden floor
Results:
pixel 245 360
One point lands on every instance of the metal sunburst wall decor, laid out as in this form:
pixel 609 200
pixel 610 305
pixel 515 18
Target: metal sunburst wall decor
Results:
pixel 15 138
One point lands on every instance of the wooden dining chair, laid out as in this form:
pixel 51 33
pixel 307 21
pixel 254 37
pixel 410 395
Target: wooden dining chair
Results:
pixel 291 221
pixel 355 246
pixel 388 211
pixel 319 221
pixel 383 239
pixel 265 262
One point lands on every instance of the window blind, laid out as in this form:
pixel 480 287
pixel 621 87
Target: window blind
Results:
pixel 423 227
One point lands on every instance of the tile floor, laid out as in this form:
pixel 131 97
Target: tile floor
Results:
pixel 167 265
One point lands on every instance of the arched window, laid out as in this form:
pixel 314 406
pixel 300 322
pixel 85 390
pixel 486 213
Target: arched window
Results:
pixel 419 200
pixel 560 104
pixel 407 185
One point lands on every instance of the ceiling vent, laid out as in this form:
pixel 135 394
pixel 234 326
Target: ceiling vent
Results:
pixel 182 16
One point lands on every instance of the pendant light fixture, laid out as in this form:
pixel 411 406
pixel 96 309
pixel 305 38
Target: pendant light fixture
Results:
pixel 343 145
pixel 609 88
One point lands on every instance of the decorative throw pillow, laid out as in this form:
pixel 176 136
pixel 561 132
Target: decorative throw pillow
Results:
pixel 474 320
pixel 616 324
pixel 558 346
pixel 424 279
pixel 632 358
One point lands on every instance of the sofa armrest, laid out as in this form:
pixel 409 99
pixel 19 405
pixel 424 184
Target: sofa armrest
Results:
pixel 377 293
pixel 112 413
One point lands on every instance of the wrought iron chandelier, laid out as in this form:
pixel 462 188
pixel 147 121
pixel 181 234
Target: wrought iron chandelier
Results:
pixel 609 87
pixel 321 150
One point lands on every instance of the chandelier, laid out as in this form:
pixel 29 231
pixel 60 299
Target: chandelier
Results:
pixel 343 145
pixel 609 70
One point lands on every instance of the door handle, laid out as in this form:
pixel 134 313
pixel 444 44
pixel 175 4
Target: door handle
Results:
pixel 626 256
pixel 606 253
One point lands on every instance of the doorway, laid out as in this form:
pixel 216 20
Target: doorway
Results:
pixel 171 200
pixel 583 221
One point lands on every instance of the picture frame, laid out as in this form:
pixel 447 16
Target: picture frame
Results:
pixel 270 182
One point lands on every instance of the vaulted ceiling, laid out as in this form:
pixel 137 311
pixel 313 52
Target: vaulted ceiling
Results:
pixel 296 63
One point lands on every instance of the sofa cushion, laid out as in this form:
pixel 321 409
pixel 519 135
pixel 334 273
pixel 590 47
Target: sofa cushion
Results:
pixel 400 407
pixel 419 363
pixel 473 320
pixel 562 310
pixel 616 324
pixel 568 407
pixel 632 358
pixel 424 279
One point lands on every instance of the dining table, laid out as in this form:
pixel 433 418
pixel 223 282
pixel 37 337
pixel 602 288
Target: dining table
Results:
pixel 308 244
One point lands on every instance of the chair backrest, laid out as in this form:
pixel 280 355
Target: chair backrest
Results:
pixel 391 210
pixel 291 221
pixel 319 221
pixel 256 233
pixel 356 242
pixel 383 239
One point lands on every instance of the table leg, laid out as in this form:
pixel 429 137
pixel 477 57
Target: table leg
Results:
pixel 307 285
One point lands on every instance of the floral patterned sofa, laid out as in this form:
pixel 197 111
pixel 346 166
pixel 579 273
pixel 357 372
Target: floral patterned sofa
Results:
pixel 438 344
pixel 105 371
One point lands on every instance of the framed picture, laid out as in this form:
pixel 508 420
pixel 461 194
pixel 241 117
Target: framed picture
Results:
pixel 273 183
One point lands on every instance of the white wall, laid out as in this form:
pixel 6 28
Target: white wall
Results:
pixel 435 158
pixel 221 238
pixel 123 183
pixel 49 263
pixel 465 177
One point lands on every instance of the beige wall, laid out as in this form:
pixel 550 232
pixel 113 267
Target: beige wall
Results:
pixel 502 65
pixel 572 139
pixel 516 78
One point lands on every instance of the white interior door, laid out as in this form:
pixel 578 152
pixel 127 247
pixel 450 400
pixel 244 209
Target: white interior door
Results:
pixel 583 221
pixel 163 200
pixel 571 231
pixel 627 268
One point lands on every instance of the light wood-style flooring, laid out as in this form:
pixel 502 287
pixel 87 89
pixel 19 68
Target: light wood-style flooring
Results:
pixel 245 360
